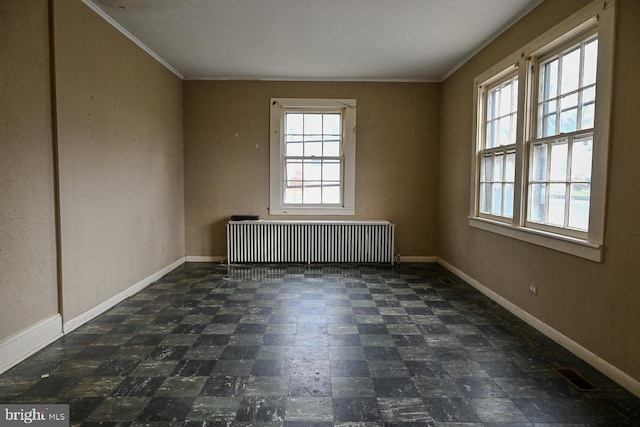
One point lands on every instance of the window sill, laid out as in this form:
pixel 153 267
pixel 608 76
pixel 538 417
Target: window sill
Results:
pixel 569 245
pixel 315 210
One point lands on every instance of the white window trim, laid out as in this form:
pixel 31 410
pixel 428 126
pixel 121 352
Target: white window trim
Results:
pixel 276 149
pixel 602 14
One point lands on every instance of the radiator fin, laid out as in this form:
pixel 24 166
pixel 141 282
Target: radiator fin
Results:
pixel 310 241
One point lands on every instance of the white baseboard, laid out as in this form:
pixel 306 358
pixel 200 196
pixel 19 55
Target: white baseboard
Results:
pixel 18 347
pixel 80 320
pixel 202 258
pixel 615 374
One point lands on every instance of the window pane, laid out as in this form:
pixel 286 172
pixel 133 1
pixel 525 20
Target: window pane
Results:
pixel 549 125
pixel 579 206
pixel 293 195
pixel 559 152
pixel 557 196
pixel 312 123
pixel 570 71
pixel 331 148
pixel 294 149
pixel 494 104
pixel 505 131
pixel 492 134
pixel 331 124
pixel 496 199
pixel 497 167
pixel 293 170
pixel 581 156
pixel 539 164
pixel 589 95
pixel 508 201
pixel 294 123
pixel 331 171
pixel 312 171
pixel 537 202
pixel 568 120
pixel 331 193
pixel 484 197
pixel 313 146
pixel 510 171
pixel 312 192
pixel 505 99
pixel 486 169
pixel 588 116
pixel 590 62
pixel 550 80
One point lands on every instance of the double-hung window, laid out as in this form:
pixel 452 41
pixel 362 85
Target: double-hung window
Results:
pixel 312 156
pixel 498 148
pixel 561 151
pixel 541 137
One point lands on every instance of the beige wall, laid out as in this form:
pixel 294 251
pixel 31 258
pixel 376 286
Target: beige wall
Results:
pixel 595 304
pixel 28 283
pixel 120 159
pixel 227 156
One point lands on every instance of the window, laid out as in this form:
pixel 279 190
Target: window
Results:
pixel 497 154
pixel 312 156
pixel 541 138
pixel 561 153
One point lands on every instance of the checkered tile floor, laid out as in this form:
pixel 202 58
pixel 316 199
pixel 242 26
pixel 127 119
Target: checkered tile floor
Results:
pixel 291 345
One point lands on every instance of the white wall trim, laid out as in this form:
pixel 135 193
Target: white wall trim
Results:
pixel 131 37
pixel 106 305
pixel 18 347
pixel 203 258
pixel 620 377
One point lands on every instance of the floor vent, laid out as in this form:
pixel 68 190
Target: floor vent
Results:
pixel 576 380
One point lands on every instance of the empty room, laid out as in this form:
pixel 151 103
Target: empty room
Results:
pixel 319 212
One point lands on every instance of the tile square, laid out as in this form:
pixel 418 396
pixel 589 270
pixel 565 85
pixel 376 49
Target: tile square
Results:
pixel 262 409
pixel 151 368
pixel 267 386
pixel 213 408
pixel 193 368
pixel 376 329
pixel 394 387
pixel 352 387
pixel 250 328
pixel 267 368
pixel 344 340
pixel 167 409
pixel 181 387
pixel 404 411
pixel 138 387
pixel 393 368
pixel 349 368
pixel 497 410
pixel 310 385
pixel 382 353
pixel 309 409
pixel 227 386
pixel 356 409
pixel 451 410
pixel 238 368
pixel 119 409
pixel 210 340
pixel 240 352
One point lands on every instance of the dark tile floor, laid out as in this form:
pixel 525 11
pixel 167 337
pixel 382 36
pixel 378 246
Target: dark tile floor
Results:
pixel 291 345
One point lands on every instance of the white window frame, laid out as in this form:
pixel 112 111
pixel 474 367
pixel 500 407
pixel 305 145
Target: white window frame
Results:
pixel 499 150
pixel 278 107
pixel 599 14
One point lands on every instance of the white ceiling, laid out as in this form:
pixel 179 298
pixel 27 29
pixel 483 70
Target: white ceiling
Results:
pixel 361 40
